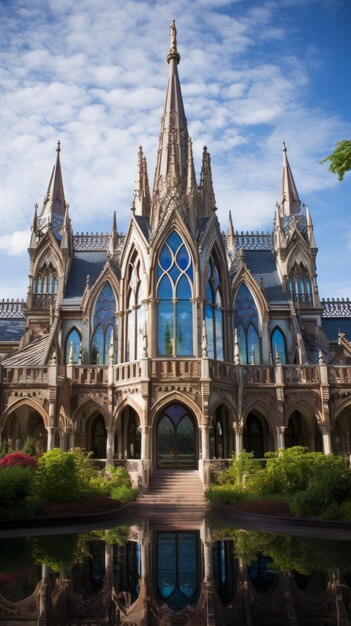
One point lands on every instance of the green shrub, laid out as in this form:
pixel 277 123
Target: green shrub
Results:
pixel 57 478
pixel 241 469
pixel 15 487
pixel 29 446
pixel 292 470
pixel 344 510
pixel 119 475
pixel 85 468
pixel 221 494
pixel 123 493
pixel 56 552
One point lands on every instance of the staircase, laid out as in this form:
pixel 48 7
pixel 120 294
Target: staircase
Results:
pixel 174 488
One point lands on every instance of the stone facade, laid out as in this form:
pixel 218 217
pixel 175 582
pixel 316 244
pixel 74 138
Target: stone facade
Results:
pixel 175 344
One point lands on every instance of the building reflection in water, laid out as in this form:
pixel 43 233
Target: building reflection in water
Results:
pixel 149 575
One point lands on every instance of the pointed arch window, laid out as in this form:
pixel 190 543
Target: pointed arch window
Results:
pixel 300 285
pixel 246 325
pixel 104 326
pixel 214 311
pixel 278 346
pixel 136 313
pixel 45 286
pixel 174 293
pixel 73 341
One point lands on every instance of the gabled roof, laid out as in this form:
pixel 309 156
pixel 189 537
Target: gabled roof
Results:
pixel 83 264
pixel 30 355
pixel 261 264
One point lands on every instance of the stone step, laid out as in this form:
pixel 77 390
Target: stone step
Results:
pixel 170 487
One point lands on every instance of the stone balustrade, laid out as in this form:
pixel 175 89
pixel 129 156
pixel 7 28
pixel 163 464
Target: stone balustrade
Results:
pixel 221 371
pixel 340 374
pixel 301 374
pixel 25 375
pixel 126 371
pixel 258 374
pixel 175 369
pixel 90 375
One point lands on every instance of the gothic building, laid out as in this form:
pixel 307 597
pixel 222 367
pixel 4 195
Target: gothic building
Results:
pixel 175 345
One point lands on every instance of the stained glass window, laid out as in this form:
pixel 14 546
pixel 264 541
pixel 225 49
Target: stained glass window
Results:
pixel 300 285
pixel 174 292
pixel 177 568
pixel 246 324
pixel 136 314
pixel 214 311
pixel 278 346
pixel 104 326
pixel 73 340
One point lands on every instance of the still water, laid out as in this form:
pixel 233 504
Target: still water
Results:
pixel 174 570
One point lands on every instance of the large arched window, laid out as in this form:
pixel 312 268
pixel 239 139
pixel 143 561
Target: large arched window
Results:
pixel 214 311
pixel 174 293
pixel 104 326
pixel 73 341
pixel 45 286
pixel 300 285
pixel 278 346
pixel 246 325
pixel 135 314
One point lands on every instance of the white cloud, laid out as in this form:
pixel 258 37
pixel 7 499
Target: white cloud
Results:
pixel 15 243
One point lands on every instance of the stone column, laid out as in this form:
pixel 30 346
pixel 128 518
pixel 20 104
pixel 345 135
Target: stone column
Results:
pixel 207 561
pixel 280 439
pixel 326 438
pixel 51 437
pixel 205 443
pixel 239 439
pixel 71 439
pixel 110 452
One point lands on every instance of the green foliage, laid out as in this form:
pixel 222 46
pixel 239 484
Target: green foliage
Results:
pixel 241 469
pixel 292 470
pixel 3 449
pixel 117 536
pixel 86 470
pixel 118 475
pixel 123 493
pixel 29 446
pixel 15 487
pixel 56 552
pixel 340 159
pixel 57 478
pixel 223 494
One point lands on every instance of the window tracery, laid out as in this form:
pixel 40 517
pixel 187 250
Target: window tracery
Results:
pixel 300 285
pixel 214 311
pixel 278 346
pixel 45 286
pixel 104 326
pixel 246 323
pixel 135 314
pixel 73 340
pixel 174 293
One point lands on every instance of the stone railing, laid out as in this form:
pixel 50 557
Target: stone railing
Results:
pixel 126 371
pixel 176 369
pixel 258 374
pixel 90 375
pixel 339 374
pixel 224 372
pixel 301 374
pixel 25 375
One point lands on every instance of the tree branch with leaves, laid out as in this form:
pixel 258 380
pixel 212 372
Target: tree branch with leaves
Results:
pixel 340 159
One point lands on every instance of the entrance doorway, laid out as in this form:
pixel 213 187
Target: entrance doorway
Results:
pixel 176 438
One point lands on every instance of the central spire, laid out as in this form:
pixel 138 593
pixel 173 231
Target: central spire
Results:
pixel 171 166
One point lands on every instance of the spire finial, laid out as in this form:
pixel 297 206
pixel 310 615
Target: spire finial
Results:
pixel 173 52
pixel 284 147
pixel 58 149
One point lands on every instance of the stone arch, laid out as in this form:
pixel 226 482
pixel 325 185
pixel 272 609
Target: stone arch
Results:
pixel 260 299
pixel 90 423
pixel 175 397
pixel 29 419
pixel 25 401
pixel 175 437
pixel 261 407
pixel 304 421
pixel 341 428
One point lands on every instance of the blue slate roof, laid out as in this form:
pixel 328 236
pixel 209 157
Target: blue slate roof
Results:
pixel 261 264
pixel 332 326
pixel 11 329
pixel 144 226
pixel 83 263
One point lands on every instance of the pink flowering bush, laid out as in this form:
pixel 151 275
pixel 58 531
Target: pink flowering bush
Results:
pixel 18 458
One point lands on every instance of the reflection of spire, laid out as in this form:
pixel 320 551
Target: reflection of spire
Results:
pixel 173 143
pixel 289 203
pixel 54 201
pixel 207 197
pixel 141 200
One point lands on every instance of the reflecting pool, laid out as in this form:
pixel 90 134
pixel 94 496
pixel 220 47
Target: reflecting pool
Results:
pixel 162 571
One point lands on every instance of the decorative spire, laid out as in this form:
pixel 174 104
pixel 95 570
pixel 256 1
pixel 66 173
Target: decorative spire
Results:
pixel 34 233
pixel 310 233
pixel 207 197
pixel 54 206
pixel 190 176
pixel 113 237
pixel 173 144
pixel 289 203
pixel 204 344
pixel 231 233
pixel 66 234
pixel 141 200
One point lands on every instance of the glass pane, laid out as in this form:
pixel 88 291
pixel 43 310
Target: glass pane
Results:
pixel 165 258
pixel 183 288
pixel 183 258
pixel 176 412
pixel 253 346
pixel 187 564
pixel 165 443
pixel 165 291
pixel 109 334
pixel 209 294
pixel 242 345
pixel 219 335
pixel 209 330
pixel 166 564
pixel 278 346
pixel 184 328
pixel 97 348
pixel 141 317
pixel 73 339
pixel 218 298
pixel 165 328
pixel 185 443
pixel 174 241
pixel 105 307
pixel 245 310
pixel 174 273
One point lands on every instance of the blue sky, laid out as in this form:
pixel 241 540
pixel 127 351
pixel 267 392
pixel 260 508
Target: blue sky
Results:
pixel 93 74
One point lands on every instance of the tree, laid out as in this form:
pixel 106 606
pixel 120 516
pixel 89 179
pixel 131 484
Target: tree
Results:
pixel 340 159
